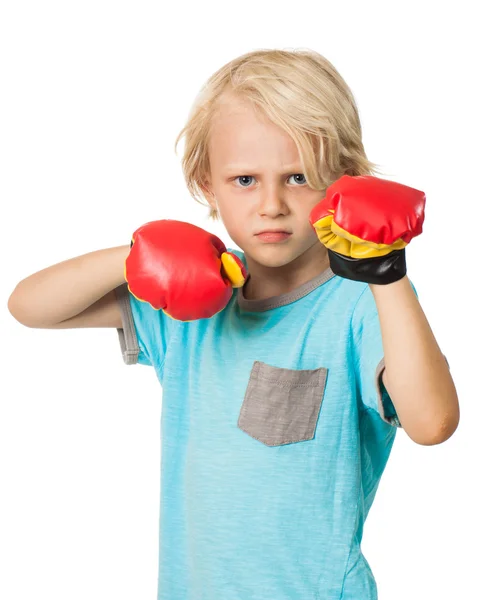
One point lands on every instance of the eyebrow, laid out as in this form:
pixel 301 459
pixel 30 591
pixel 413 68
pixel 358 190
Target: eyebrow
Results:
pixel 294 168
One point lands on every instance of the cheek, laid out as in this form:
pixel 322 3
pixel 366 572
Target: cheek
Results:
pixel 233 221
pixel 304 216
pixel 232 211
pixel 310 232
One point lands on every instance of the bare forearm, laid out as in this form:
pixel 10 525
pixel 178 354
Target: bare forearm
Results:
pixel 65 289
pixel 417 376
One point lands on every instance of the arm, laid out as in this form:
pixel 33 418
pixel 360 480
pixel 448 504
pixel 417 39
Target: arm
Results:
pixel 78 292
pixel 416 375
pixel 366 223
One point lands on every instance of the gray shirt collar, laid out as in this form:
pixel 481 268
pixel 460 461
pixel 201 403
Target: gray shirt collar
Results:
pixel 284 299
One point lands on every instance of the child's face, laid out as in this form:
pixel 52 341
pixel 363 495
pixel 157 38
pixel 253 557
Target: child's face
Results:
pixel 257 183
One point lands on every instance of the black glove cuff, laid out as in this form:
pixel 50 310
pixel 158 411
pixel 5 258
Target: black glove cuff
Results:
pixel 378 270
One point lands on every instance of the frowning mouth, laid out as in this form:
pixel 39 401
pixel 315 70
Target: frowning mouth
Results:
pixel 275 236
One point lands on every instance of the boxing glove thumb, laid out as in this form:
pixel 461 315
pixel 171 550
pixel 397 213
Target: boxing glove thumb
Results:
pixel 181 269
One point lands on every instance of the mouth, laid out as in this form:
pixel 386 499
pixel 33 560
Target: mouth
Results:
pixel 273 236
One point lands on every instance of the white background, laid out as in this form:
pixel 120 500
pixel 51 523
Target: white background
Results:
pixel 92 97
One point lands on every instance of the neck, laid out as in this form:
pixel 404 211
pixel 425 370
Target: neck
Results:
pixel 267 282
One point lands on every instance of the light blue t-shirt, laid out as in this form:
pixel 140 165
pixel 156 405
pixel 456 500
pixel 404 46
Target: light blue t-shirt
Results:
pixel 275 431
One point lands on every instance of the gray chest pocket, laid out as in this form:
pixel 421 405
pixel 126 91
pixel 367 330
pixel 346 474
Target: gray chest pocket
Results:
pixel 281 406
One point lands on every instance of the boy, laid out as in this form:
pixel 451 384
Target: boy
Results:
pixel 280 410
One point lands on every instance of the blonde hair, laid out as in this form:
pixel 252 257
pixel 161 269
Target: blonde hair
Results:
pixel 298 90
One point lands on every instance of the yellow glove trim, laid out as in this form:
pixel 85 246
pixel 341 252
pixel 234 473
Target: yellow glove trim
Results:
pixel 232 270
pixel 341 241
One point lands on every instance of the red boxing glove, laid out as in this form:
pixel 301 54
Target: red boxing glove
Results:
pixel 182 269
pixel 366 223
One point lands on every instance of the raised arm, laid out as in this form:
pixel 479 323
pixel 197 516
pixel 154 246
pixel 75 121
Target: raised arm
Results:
pixel 78 292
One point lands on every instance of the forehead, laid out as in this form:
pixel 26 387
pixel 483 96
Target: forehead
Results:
pixel 239 130
pixel 236 113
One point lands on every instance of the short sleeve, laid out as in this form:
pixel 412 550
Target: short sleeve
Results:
pixel 144 332
pixel 368 358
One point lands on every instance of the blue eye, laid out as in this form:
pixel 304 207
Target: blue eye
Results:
pixel 244 177
pixel 300 175
pixel 252 177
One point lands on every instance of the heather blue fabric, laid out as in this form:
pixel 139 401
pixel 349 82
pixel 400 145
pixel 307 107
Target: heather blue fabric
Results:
pixel 242 520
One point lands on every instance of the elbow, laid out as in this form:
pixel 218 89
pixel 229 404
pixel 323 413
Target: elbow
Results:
pixel 11 306
pixel 434 438
pixel 16 310
pixel 438 432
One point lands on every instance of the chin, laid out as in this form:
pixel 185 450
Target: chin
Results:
pixel 273 256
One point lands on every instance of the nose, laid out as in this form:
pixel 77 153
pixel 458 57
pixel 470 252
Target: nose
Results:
pixel 272 202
